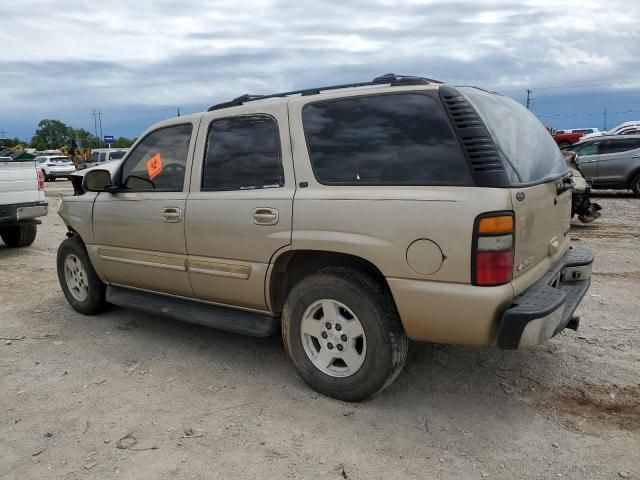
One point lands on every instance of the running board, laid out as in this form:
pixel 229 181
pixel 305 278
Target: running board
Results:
pixel 236 321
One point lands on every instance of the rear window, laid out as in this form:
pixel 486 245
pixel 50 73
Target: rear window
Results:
pixel 396 139
pixel 243 153
pixel 520 137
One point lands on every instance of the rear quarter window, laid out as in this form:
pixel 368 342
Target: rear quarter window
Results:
pixel 394 139
pixel 522 140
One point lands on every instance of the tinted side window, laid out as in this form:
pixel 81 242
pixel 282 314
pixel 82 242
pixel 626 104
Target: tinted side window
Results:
pixel 617 146
pixel 398 139
pixel 103 156
pixel 158 162
pixel 243 153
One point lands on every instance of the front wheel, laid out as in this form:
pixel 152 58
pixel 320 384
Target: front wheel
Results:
pixel 342 332
pixel 80 283
pixel 635 185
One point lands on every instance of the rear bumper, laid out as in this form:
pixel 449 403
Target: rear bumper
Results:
pixel 18 212
pixel 61 174
pixel 547 307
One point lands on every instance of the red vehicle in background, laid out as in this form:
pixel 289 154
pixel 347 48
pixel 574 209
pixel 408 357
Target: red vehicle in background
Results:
pixel 564 139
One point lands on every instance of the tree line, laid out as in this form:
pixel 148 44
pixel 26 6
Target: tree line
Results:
pixel 52 134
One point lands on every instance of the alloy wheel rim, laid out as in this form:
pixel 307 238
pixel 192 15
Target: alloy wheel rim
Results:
pixel 333 338
pixel 76 277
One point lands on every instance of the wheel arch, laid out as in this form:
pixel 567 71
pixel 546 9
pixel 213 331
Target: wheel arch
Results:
pixel 632 175
pixel 291 266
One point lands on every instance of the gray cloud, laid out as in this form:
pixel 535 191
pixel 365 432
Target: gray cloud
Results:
pixel 66 57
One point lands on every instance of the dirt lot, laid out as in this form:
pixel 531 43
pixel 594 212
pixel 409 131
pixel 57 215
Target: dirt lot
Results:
pixel 126 395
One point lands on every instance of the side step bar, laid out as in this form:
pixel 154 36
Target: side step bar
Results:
pixel 236 321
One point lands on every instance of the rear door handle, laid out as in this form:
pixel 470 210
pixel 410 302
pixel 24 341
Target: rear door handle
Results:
pixel 265 216
pixel 172 214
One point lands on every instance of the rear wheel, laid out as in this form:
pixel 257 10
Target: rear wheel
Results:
pixel 342 332
pixel 21 235
pixel 80 283
pixel 635 185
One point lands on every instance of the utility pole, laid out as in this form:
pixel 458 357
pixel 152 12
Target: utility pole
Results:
pixel 528 99
pixel 100 125
pixel 605 120
pixel 178 111
pixel 97 125
pixel 3 134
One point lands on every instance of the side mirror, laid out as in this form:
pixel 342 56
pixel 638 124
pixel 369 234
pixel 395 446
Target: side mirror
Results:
pixel 97 180
pixel 134 182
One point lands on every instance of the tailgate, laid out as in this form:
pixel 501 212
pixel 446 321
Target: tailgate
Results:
pixel 19 183
pixel 542 218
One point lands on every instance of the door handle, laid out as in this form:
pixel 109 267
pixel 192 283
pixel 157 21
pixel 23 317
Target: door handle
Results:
pixel 172 214
pixel 265 216
pixel 637 155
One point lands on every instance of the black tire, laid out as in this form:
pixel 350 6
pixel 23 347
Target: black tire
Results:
pixel 373 305
pixel 564 144
pixel 95 301
pixel 21 235
pixel 635 185
pixel 46 177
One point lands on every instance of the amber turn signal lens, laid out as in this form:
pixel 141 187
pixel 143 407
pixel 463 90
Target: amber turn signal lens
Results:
pixel 501 224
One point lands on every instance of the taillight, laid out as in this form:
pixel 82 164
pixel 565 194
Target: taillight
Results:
pixel 493 243
pixel 40 180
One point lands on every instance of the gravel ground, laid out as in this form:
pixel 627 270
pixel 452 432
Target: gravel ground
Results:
pixel 127 395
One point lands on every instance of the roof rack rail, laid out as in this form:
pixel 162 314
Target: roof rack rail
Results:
pixel 390 78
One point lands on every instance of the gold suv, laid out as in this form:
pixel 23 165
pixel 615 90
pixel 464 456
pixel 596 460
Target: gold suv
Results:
pixel 354 217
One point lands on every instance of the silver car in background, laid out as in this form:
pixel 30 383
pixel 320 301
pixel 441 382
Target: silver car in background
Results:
pixel 610 161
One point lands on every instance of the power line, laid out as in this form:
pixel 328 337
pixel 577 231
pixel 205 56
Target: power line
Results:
pixel 609 83
pixel 581 114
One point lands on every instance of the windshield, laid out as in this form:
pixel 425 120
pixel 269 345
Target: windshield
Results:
pixel 117 154
pixel 521 138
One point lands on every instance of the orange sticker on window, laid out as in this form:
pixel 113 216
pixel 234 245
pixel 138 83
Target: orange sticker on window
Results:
pixel 154 166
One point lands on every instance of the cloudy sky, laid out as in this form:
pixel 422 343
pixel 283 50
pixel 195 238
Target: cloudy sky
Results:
pixel 137 61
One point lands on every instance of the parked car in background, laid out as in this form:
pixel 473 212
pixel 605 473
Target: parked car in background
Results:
pixel 21 202
pixel 610 161
pixel 627 128
pixel 100 156
pixel 584 131
pixel 55 166
pixel 354 217
pixel 566 139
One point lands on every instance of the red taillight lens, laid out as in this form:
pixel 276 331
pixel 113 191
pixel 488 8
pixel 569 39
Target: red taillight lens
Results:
pixel 494 268
pixel 40 180
pixel 493 249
